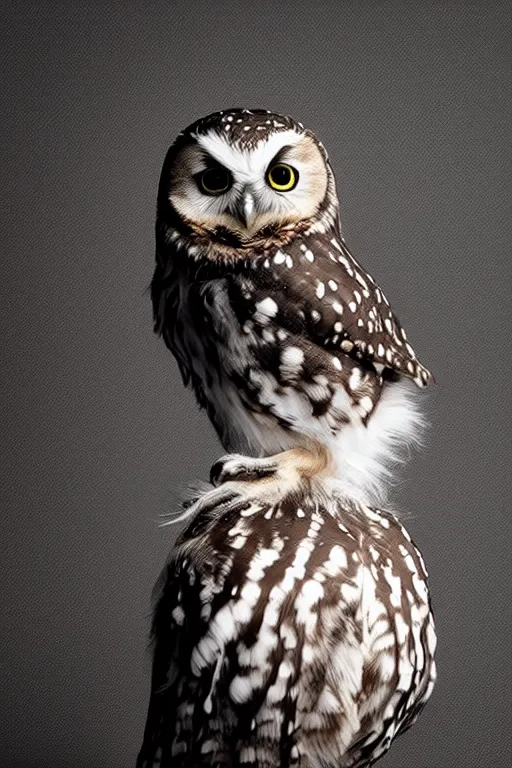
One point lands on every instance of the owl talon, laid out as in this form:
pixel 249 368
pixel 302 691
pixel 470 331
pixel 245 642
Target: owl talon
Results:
pixel 235 467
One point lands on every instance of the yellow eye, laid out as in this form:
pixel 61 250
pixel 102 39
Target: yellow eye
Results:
pixel 215 181
pixel 282 177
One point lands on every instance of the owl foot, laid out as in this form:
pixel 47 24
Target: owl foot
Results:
pixel 315 460
pixel 234 466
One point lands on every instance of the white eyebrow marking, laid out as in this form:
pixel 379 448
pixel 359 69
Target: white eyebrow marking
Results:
pixel 239 159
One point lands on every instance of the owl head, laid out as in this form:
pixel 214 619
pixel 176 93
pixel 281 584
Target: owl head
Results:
pixel 238 176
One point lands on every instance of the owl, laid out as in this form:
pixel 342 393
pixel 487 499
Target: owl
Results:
pixel 288 343
pixel 293 625
pixel 292 629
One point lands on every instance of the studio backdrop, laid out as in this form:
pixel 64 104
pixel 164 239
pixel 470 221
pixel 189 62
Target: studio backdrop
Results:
pixel 99 437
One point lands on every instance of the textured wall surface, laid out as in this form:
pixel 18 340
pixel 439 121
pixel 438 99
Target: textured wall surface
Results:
pixel 412 100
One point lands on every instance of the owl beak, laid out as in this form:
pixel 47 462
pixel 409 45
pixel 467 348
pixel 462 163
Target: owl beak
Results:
pixel 246 210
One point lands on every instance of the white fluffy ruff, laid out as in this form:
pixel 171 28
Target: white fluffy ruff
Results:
pixel 367 457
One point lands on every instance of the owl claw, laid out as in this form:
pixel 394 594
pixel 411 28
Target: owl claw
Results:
pixel 235 467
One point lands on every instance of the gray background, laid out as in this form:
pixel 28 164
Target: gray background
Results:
pixel 412 101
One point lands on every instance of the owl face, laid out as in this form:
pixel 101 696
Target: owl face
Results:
pixel 246 172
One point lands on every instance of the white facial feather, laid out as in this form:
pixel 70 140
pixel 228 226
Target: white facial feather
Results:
pixel 249 167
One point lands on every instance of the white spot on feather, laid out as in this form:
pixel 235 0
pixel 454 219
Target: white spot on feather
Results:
pixel 291 360
pixel 265 309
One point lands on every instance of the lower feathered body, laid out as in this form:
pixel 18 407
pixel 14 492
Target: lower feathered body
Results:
pixel 292 629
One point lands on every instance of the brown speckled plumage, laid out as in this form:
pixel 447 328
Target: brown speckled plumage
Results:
pixel 296 632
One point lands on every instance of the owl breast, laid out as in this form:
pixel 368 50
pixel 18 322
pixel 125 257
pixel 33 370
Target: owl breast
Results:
pixel 251 412
pixel 267 389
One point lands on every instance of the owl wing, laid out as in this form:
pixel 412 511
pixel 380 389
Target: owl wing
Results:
pixel 323 292
pixel 165 297
pixel 201 625
pixel 174 721
pixel 163 702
